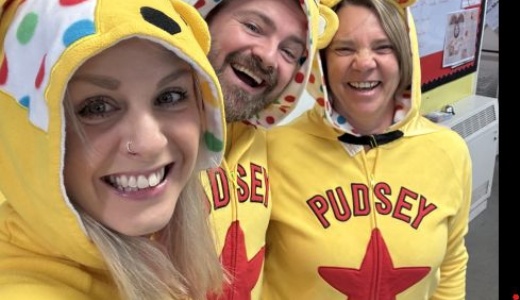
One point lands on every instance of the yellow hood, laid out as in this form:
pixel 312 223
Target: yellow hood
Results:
pixel 42 44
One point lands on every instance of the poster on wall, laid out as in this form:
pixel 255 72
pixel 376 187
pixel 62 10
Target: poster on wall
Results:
pixel 460 38
pixel 449 33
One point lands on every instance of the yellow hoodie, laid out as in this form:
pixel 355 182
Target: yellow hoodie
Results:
pixel 385 224
pixel 44 250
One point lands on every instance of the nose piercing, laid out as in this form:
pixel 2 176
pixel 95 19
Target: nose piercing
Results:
pixel 129 148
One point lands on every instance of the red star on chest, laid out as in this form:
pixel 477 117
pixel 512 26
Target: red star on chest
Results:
pixel 377 275
pixel 244 273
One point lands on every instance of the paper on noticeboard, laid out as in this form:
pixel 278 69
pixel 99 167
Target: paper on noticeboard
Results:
pixel 492 15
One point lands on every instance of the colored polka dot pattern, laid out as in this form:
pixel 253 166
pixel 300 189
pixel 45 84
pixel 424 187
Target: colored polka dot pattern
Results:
pixel 27 28
pixel 199 4
pixel 25 101
pixel 299 78
pixel 290 99
pixel 28 40
pixel 312 79
pixel 70 2
pixel 77 30
pixel 41 73
pixel 4 69
pixel 213 143
pixel 284 109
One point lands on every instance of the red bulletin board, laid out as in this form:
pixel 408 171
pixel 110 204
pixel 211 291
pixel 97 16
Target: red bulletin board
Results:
pixel 449 34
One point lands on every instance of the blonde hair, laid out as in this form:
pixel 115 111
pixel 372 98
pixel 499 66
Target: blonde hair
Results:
pixel 179 262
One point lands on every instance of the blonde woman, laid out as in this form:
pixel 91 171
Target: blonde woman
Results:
pixel 107 110
pixel 372 199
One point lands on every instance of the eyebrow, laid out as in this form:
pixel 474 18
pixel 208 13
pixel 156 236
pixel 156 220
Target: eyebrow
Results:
pixel 293 38
pixel 174 76
pixel 113 84
pixel 99 80
pixel 350 41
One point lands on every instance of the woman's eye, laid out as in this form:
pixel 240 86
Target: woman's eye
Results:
pixel 385 49
pixel 344 50
pixel 97 107
pixel 171 98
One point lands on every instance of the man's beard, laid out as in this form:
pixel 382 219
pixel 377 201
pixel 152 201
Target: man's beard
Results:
pixel 242 106
pixel 239 104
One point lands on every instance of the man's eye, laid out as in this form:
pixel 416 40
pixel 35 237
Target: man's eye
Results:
pixel 97 107
pixel 290 55
pixel 293 55
pixel 252 27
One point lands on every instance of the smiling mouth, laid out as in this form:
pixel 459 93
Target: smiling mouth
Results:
pixel 247 76
pixel 137 182
pixel 364 85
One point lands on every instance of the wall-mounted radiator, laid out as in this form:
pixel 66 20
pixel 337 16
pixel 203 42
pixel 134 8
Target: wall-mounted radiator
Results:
pixel 476 120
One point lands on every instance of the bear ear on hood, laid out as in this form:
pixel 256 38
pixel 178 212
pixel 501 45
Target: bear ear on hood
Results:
pixel 402 5
pixel 328 23
pixel 199 28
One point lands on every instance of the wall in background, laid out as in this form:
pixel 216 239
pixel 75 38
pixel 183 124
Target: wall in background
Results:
pixel 487 82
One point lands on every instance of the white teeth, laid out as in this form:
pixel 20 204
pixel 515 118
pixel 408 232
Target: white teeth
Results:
pixel 364 84
pixel 244 70
pixel 122 181
pixel 153 180
pixel 133 183
pixel 142 182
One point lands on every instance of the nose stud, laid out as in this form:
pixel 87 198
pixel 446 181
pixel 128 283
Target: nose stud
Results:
pixel 129 148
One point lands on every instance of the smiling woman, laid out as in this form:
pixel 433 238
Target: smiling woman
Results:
pixel 124 111
pixel 132 92
pixel 387 211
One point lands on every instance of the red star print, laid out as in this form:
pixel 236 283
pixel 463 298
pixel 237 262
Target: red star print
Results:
pixel 244 274
pixel 376 276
